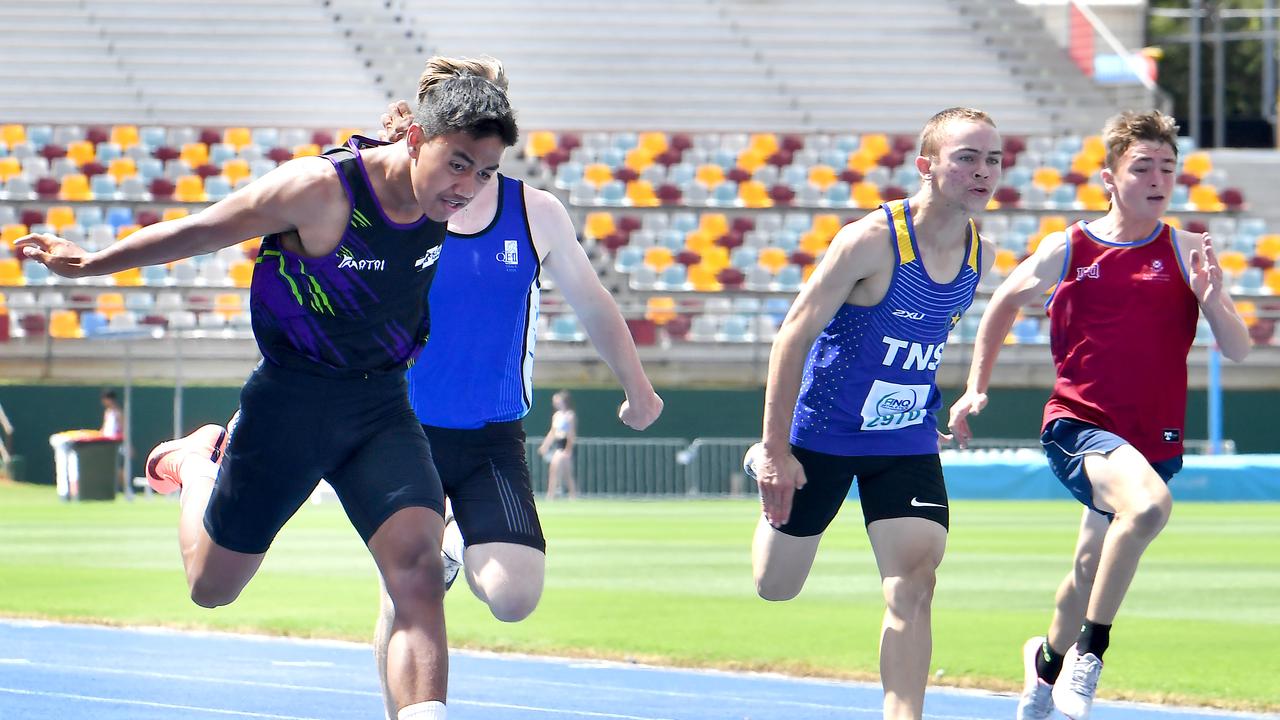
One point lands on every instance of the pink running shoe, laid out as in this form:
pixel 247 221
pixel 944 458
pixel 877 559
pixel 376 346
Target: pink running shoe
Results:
pixel 166 459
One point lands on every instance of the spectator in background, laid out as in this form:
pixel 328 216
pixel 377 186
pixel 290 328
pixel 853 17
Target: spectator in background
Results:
pixel 112 417
pixel 557 446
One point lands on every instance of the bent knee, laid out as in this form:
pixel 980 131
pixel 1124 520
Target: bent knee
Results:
pixel 513 606
pixel 778 589
pixel 914 590
pixel 208 594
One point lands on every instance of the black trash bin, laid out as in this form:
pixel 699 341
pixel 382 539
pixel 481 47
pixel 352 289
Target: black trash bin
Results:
pixel 96 462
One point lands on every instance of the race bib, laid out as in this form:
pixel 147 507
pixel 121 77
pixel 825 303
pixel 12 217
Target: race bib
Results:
pixel 890 406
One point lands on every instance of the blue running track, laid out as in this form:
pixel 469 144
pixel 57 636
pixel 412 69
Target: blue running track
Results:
pixel 74 671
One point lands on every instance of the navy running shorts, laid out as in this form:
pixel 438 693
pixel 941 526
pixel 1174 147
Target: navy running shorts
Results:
pixel 1066 443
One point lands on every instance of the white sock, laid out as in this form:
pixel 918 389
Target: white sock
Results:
pixel 432 710
pixel 452 544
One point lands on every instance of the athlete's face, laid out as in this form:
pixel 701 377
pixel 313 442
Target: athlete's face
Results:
pixel 968 166
pixel 1141 184
pixel 450 170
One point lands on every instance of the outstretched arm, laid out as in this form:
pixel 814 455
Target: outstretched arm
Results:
pixel 567 264
pixel 1028 281
pixel 1204 275
pixel 293 195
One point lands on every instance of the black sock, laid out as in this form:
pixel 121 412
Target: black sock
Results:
pixel 1094 638
pixel 1048 663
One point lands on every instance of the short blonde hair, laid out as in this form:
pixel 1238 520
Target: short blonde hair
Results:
pixel 1123 130
pixel 931 136
pixel 440 68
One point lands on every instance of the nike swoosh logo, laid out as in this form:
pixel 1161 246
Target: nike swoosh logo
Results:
pixel 915 502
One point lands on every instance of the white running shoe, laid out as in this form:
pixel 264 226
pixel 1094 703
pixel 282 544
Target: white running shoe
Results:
pixel 749 460
pixel 1036 702
pixel 1074 691
pixel 452 565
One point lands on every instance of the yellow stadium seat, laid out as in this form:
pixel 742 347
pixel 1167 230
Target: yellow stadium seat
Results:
pixel 1268 247
pixel 866 195
pixel 599 224
pixel 1046 178
pixel 766 143
pixel 641 194
pixel 126 230
pixel 1093 197
pixel 238 137
pixel 1248 311
pixel 75 187
pixel 306 150
pixel 126 136
pixel 81 152
pixel 876 144
pixel 638 159
pixel 194 154
pixel 658 257
pixel 110 304
pixel 772 259
pixel 235 170
pixel 754 194
pixel 190 188
pixel 1205 198
pixel 251 247
pixel 60 216
pixel 808 272
pixel 716 224
pixel 703 279
pixel 1198 164
pixel 9 166
pixel 9 233
pixel 540 143
pixel 1173 222
pixel 827 223
pixel 1052 223
pixel 128 278
pixel 1006 261
pixel 709 175
pixel 699 240
pixel 752 160
pixel 11 272
pixel 121 168
pixel 862 161
pixel 660 309
pixel 344 134
pixel 654 143
pixel 1233 261
pixel 65 325
pixel 1094 149
pixel 1085 165
pixel 228 305
pixel 715 258
pixel 814 242
pixel 13 134
pixel 597 174
pixel 1271 279
pixel 174 213
pixel 822 176
pixel 241 273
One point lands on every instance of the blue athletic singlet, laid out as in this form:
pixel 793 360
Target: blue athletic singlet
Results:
pixel 477 367
pixel 868 384
pixel 363 307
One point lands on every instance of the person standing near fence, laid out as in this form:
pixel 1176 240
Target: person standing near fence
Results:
pixel 472 388
pixel 558 446
pixel 851 392
pixel 1127 290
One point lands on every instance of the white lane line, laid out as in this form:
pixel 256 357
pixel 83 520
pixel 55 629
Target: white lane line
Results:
pixel 558 711
pixel 303 663
pixel 144 703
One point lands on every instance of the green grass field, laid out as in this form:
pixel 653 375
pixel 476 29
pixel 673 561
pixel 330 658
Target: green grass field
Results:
pixel 670 582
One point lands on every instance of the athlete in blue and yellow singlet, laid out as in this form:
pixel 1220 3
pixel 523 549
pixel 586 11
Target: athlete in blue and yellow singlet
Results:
pixel 851 393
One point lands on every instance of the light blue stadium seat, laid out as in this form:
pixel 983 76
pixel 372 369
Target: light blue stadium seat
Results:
pixel 643 278
pixel 628 258
pixel 34 273
pixel 219 153
pixel 681 174
pixel 583 193
pixel 703 328
pixel 624 141
pixel 838 195
pixel 1250 281
pixel 265 137
pixel 1064 196
pixel 568 174
pixel 735 328
pixel 1181 198
pixel 217 187
pixel 565 328
pixel 726 159
pixel 150 168
pixel 108 151
pixel 789 278
pixel 674 277
pixel 89 215
pixel 118 215
pixel 695 194
pixel 788 240
pixel 795 175
pixel 613 157
pixel 39 135
pixel 134 188
pixel 743 257
pixel 758 278
pixel 836 158
pixel 613 193
pixel 797 222
pixel 103 187
pixel 848 143
pixel 93 323
pixel 139 302
pixel 725 194
pixel 1186 145
pixel 151 136
pixel 684 221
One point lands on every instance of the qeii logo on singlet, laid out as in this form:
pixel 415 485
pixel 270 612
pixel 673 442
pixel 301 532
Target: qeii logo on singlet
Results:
pixel 510 255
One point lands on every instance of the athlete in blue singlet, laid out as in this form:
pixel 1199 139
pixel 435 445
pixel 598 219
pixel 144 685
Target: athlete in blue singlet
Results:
pixel 851 393
pixel 339 311
pixel 473 384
